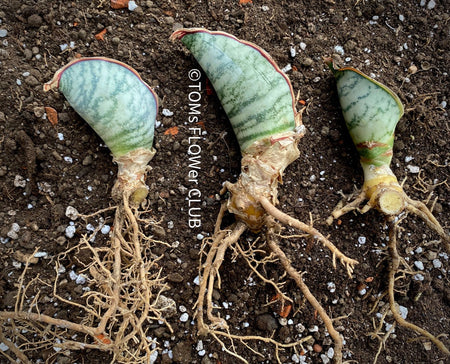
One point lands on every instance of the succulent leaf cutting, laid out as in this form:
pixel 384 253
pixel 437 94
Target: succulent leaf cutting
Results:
pixel 371 112
pixel 258 99
pixel 122 109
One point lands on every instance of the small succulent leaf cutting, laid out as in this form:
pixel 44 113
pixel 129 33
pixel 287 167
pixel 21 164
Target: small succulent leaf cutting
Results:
pixel 371 112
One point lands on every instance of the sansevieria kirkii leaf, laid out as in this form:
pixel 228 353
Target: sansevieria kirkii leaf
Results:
pixel 258 99
pixel 256 95
pixel 371 112
pixel 120 107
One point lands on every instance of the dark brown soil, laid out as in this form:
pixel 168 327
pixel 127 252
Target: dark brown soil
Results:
pixel 45 168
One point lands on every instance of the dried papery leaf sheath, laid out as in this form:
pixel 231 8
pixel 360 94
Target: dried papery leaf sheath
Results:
pixel 120 107
pixel 259 101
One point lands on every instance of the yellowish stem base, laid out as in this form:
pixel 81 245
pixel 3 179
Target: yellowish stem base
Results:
pixel 391 202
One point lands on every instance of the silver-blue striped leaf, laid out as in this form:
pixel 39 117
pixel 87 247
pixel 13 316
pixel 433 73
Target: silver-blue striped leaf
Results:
pixel 113 99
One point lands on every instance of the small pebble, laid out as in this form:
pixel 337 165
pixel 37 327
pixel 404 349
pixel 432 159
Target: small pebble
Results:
pixel 169 20
pixel 266 322
pixel 32 81
pixel 70 231
pixel 437 263
pixel 388 326
pixel 167 112
pixel 132 5
pixel 286 68
pixel 3 347
pixel 15 227
pixel 419 265
pixel 199 346
pixel 12 233
pixel 339 50
pixel 307 62
pixel 72 213
pixel 431 4
pixel 82 34
pixel 184 317
pixel 317 348
pixel 413 169
pixel 190 16
pixel 362 291
pixel 87 160
pixel 3 33
pixel 330 353
pixel 412 69
pixel 19 181
pixel 105 229
pixel 418 277
pixel 41 255
pixel 34 21
pixel 403 311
